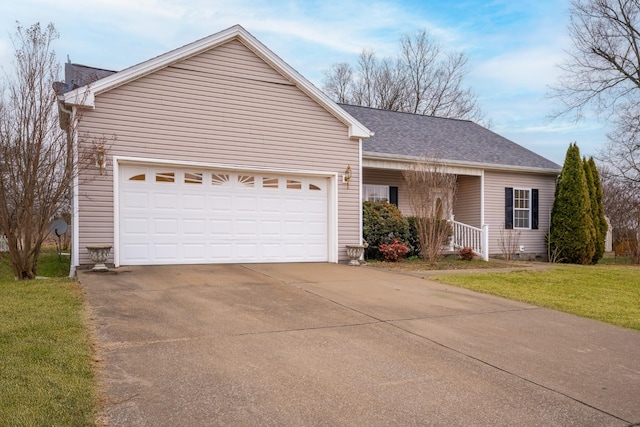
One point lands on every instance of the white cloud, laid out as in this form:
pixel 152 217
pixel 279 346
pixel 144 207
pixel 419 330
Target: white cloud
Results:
pixel 533 69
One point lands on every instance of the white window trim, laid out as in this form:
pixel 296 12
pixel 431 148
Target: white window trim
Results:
pixel 365 187
pixel 529 209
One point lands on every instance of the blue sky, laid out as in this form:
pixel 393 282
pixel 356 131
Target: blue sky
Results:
pixel 514 46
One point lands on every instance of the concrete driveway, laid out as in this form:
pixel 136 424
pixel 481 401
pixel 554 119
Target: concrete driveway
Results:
pixel 330 345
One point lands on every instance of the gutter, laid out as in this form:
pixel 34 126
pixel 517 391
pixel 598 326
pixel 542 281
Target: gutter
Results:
pixel 369 155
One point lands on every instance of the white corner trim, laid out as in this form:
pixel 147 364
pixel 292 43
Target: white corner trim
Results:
pixel 116 213
pixel 333 243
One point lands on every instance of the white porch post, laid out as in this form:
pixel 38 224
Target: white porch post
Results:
pixel 485 242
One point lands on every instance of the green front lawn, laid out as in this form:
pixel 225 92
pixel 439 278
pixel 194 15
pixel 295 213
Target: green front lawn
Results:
pixel 610 293
pixel 46 374
pixel 450 262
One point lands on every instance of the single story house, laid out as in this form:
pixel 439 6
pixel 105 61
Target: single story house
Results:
pixel 501 186
pixel 220 152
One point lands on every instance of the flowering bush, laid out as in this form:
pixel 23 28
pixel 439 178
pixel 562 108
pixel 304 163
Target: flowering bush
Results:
pixel 466 253
pixel 393 251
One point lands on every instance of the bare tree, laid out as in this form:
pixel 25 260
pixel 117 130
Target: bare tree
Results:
pixel 509 241
pixel 389 86
pixel 622 208
pixel 431 192
pixel 423 79
pixel 337 82
pixel 35 153
pixel 603 69
pixel 622 152
pixel 363 87
pixel 603 73
pixel 420 55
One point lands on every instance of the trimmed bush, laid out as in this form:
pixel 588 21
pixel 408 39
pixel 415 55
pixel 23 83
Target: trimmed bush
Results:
pixel 382 222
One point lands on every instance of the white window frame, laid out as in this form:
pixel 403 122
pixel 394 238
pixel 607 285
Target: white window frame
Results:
pixel 378 193
pixel 520 209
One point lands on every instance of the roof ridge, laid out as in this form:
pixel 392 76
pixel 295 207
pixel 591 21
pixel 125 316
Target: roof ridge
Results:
pixel 75 64
pixel 408 113
pixel 454 139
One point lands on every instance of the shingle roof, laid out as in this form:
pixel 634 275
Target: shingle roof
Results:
pixel 413 135
pixel 77 75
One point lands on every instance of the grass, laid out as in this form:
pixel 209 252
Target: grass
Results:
pixel 615 260
pixel 609 293
pixel 445 263
pixel 47 376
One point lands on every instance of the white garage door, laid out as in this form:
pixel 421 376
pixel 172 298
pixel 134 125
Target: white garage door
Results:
pixel 170 215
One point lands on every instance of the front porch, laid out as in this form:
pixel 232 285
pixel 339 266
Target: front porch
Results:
pixel 466 209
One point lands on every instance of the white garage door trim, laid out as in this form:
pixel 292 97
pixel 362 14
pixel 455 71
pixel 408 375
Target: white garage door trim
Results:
pixel 331 179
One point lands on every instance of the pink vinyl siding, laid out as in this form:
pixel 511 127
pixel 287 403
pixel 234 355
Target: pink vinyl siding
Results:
pixel 467 204
pixel 390 178
pixel 495 183
pixel 224 106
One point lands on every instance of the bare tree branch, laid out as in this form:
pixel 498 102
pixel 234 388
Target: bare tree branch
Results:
pixel 338 82
pixel 423 79
pixel 603 69
pixel 603 73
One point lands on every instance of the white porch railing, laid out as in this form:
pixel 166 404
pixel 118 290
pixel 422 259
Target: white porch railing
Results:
pixel 471 237
pixel 4 247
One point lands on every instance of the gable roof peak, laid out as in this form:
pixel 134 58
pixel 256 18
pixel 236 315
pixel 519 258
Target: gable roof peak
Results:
pixel 85 96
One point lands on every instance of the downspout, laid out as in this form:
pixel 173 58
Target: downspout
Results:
pixel 73 158
pixel 360 239
pixel 75 217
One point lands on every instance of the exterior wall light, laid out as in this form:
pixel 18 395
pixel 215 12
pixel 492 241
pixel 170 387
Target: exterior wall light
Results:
pixel 347 176
pixel 100 158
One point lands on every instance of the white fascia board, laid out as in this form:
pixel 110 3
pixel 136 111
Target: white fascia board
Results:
pixel 370 158
pixel 85 96
pixel 81 97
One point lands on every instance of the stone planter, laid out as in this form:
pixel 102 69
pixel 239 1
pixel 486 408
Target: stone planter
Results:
pixel 99 255
pixel 355 252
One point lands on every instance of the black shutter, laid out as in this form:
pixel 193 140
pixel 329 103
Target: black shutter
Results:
pixel 534 209
pixel 393 195
pixel 508 208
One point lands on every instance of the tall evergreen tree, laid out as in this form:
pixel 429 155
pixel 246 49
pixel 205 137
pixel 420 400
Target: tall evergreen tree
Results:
pixel 572 233
pixel 597 207
pixel 598 239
